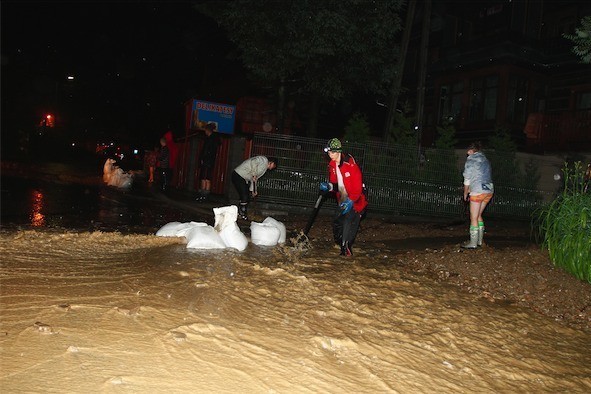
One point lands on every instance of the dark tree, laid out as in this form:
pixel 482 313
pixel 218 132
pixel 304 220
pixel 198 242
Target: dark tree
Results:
pixel 326 50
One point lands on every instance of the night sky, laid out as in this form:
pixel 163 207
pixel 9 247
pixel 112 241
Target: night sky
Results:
pixel 134 64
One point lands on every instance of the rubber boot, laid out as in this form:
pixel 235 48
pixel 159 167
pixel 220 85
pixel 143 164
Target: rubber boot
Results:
pixel 203 195
pixel 200 196
pixel 164 180
pixel 480 233
pixel 473 242
pixel 242 211
pixel 346 249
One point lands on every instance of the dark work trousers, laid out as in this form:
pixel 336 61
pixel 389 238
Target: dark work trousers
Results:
pixel 241 187
pixel 345 226
pixel 165 178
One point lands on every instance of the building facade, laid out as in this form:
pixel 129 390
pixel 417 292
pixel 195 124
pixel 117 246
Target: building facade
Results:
pixel 505 65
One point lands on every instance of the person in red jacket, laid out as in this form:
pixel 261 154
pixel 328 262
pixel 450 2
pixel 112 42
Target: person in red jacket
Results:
pixel 345 182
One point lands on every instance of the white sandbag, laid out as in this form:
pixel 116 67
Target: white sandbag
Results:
pixel 264 234
pixel 169 229
pixel 233 237
pixel 204 237
pixel 280 226
pixel 225 225
pixel 177 229
pixel 120 179
pixel 225 216
pixel 114 176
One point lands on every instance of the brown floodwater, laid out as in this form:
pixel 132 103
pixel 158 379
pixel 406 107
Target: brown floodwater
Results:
pixel 95 311
pixel 93 301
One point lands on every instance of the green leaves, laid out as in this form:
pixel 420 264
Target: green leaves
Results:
pixel 582 40
pixel 565 225
pixel 357 129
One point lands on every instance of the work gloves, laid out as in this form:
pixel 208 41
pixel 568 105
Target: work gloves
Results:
pixel 346 206
pixel 325 187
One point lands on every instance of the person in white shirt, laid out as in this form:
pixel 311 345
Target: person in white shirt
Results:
pixel 245 177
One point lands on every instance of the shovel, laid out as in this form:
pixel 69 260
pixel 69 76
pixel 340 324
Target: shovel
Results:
pixel 313 215
pixel 301 243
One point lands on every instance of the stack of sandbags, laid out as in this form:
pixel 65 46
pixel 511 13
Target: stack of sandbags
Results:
pixel 225 233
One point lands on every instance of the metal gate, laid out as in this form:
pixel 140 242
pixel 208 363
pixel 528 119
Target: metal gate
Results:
pixel 400 180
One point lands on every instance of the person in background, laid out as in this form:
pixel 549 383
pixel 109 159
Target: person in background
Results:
pixel 151 162
pixel 345 182
pixel 245 178
pixel 478 189
pixel 207 160
pixel 164 170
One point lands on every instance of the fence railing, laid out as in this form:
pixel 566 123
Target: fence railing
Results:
pixel 400 180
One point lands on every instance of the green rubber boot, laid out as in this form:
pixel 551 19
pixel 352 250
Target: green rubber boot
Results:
pixel 480 233
pixel 473 242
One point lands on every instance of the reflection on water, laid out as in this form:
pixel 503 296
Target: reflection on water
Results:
pixel 36 204
pixel 37 216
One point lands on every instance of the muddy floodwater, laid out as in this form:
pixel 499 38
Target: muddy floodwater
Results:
pixel 99 310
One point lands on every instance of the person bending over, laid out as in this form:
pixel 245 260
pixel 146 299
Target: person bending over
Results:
pixel 245 178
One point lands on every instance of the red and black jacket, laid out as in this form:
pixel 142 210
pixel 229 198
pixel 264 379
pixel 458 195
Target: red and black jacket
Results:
pixel 352 179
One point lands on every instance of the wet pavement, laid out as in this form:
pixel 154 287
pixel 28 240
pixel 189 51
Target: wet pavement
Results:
pixel 57 196
pixel 40 199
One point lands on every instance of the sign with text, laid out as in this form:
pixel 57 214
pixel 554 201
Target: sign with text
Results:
pixel 222 115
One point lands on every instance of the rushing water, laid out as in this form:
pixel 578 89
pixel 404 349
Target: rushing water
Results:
pixel 88 308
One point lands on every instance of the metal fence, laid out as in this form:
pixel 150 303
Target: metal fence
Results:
pixel 400 180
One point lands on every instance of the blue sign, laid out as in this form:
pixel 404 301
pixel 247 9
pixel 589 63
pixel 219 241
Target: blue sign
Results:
pixel 222 115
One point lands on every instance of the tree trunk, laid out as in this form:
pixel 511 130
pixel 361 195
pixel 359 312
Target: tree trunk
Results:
pixel 395 89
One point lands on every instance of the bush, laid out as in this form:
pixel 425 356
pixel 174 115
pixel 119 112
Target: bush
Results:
pixel 565 224
pixel 357 129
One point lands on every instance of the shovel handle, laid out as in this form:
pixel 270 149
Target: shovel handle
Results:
pixel 313 215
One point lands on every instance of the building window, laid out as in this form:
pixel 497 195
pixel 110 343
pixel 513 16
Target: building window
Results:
pixel 450 101
pixel 483 98
pixel 517 98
